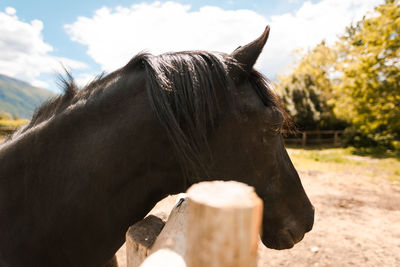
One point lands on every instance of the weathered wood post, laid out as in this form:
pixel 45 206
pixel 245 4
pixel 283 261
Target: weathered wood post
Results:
pixel 223 225
pixel 140 237
pixel 304 139
pixel 217 226
pixel 336 138
pixel 169 250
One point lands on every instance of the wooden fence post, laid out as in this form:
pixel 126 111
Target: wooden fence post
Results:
pixel 336 138
pixel 223 225
pixel 140 237
pixel 304 139
pixel 169 249
pixel 217 226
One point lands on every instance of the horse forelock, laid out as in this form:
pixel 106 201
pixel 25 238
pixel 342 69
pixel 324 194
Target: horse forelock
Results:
pixel 264 89
pixel 183 90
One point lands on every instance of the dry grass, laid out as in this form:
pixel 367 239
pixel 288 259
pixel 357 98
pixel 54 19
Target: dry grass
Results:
pixel 9 124
pixel 342 159
pixel 12 123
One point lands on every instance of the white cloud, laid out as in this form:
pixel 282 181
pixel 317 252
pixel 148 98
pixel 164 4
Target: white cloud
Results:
pixel 114 35
pixel 84 79
pixel 24 54
pixel 40 84
pixel 308 26
pixel 10 10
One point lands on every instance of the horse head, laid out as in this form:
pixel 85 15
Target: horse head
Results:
pixel 225 123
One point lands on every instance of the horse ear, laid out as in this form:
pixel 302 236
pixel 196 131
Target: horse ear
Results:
pixel 247 55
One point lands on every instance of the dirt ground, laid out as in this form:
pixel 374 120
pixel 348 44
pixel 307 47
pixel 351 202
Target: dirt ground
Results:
pixel 357 223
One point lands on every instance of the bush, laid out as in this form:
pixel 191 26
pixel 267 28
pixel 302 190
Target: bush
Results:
pixel 5 116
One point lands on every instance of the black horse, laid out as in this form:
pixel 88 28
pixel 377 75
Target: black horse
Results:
pixel 92 162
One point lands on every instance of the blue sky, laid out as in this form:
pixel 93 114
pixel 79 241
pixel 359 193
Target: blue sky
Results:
pixel 94 35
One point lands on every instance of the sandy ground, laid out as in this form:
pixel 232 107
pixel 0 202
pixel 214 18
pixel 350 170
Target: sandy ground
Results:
pixel 357 223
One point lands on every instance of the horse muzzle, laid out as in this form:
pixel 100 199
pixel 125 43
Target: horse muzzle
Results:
pixel 286 237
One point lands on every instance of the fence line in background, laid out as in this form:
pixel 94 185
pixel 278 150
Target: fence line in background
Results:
pixel 317 137
pixel 5 130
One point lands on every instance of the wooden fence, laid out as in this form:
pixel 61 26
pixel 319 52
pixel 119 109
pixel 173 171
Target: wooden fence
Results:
pixel 217 225
pixel 7 130
pixel 318 137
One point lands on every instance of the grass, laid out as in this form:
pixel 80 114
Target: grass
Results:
pixel 12 123
pixel 386 165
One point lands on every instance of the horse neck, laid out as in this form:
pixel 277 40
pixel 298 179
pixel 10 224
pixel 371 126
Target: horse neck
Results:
pixel 130 149
pixel 104 164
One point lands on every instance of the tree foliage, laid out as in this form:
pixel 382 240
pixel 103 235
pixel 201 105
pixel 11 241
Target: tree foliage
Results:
pixel 357 80
pixel 370 82
pixel 308 89
pixel 5 116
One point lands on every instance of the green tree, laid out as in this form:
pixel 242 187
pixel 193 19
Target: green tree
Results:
pixel 368 94
pixel 307 91
pixel 5 116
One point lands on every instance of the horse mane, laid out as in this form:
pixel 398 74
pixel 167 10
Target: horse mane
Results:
pixel 186 91
pixel 71 95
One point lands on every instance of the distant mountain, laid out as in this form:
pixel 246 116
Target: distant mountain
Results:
pixel 20 98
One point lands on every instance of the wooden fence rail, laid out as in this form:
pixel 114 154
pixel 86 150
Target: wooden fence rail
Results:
pixel 318 137
pixel 216 226
pixel 5 130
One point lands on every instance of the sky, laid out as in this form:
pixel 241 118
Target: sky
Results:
pixel 87 37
